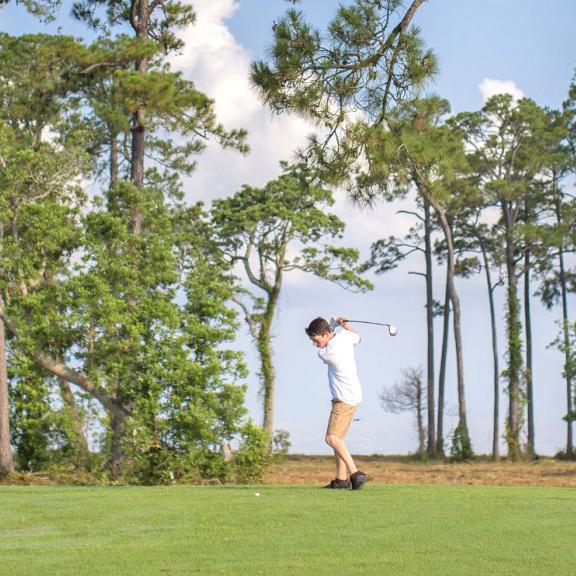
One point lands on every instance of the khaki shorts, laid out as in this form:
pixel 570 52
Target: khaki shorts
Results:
pixel 340 419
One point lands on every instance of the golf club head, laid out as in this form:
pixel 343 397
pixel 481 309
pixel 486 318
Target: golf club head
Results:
pixel 392 330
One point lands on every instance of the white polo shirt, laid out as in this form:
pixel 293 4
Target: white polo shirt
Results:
pixel 338 355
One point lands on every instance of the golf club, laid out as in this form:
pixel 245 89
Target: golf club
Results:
pixel 392 330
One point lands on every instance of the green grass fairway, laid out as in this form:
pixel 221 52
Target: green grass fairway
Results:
pixel 398 529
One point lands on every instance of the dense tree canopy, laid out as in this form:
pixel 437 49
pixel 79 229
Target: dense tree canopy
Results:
pixel 121 297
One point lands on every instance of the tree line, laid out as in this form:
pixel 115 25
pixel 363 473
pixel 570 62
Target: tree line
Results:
pixel 494 183
pixel 120 299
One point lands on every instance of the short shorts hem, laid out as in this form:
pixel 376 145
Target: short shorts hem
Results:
pixel 340 419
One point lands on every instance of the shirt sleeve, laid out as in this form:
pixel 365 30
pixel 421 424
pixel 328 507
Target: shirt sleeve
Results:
pixel 354 337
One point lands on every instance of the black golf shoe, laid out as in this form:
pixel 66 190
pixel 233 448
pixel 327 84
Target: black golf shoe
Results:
pixel 337 484
pixel 358 479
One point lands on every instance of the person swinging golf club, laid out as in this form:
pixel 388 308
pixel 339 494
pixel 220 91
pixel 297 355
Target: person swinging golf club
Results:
pixel 336 350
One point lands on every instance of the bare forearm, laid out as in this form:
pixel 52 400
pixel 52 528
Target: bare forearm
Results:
pixel 342 322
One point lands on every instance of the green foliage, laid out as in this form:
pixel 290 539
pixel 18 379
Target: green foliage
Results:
pixel 151 462
pixel 39 208
pixel 362 61
pixel 550 290
pixel 512 373
pixel 514 333
pixel 163 358
pixel 122 287
pixel 281 444
pixel 288 212
pixel 162 21
pixel 33 422
pixel 154 463
pixel 565 342
pixel 467 266
pixel 369 60
pixel 253 455
pixel 509 149
pixel 39 211
pixel 387 253
pixel 460 448
pixel 274 230
pixel 126 80
pixel 41 429
pixel 513 442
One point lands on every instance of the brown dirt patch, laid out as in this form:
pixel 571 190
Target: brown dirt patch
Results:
pixel 382 470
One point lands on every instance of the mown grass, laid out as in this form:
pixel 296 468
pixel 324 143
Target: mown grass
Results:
pixel 409 530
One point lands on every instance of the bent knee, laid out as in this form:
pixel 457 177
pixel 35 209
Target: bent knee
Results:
pixel 331 439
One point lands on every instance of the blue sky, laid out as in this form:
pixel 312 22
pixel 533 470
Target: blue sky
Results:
pixel 525 46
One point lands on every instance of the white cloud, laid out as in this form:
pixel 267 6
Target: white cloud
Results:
pixel 490 87
pixel 218 65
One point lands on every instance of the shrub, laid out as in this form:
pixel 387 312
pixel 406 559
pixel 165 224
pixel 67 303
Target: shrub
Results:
pixel 461 448
pixel 253 455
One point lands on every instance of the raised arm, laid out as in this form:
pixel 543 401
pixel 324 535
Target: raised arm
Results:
pixel 346 325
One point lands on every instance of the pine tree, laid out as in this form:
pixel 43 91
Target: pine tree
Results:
pixel 554 240
pixel 385 255
pixel 369 60
pixel 503 139
pixel 270 232
pixel 117 297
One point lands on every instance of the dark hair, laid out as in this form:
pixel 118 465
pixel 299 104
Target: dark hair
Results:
pixel 318 327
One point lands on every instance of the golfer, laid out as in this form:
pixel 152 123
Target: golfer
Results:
pixel 336 350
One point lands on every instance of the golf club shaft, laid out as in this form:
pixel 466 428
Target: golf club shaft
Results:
pixel 366 322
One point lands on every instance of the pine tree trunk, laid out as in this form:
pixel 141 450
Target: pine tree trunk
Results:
pixel 267 373
pixel 566 333
pixel 442 376
pixel 141 26
pixel 6 461
pixel 454 298
pixel 139 17
pixel 495 360
pixel 567 357
pixel 117 420
pixel 530 449
pixel 430 330
pixel 463 421
pixel 513 330
pixel 420 419
pixel 114 162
